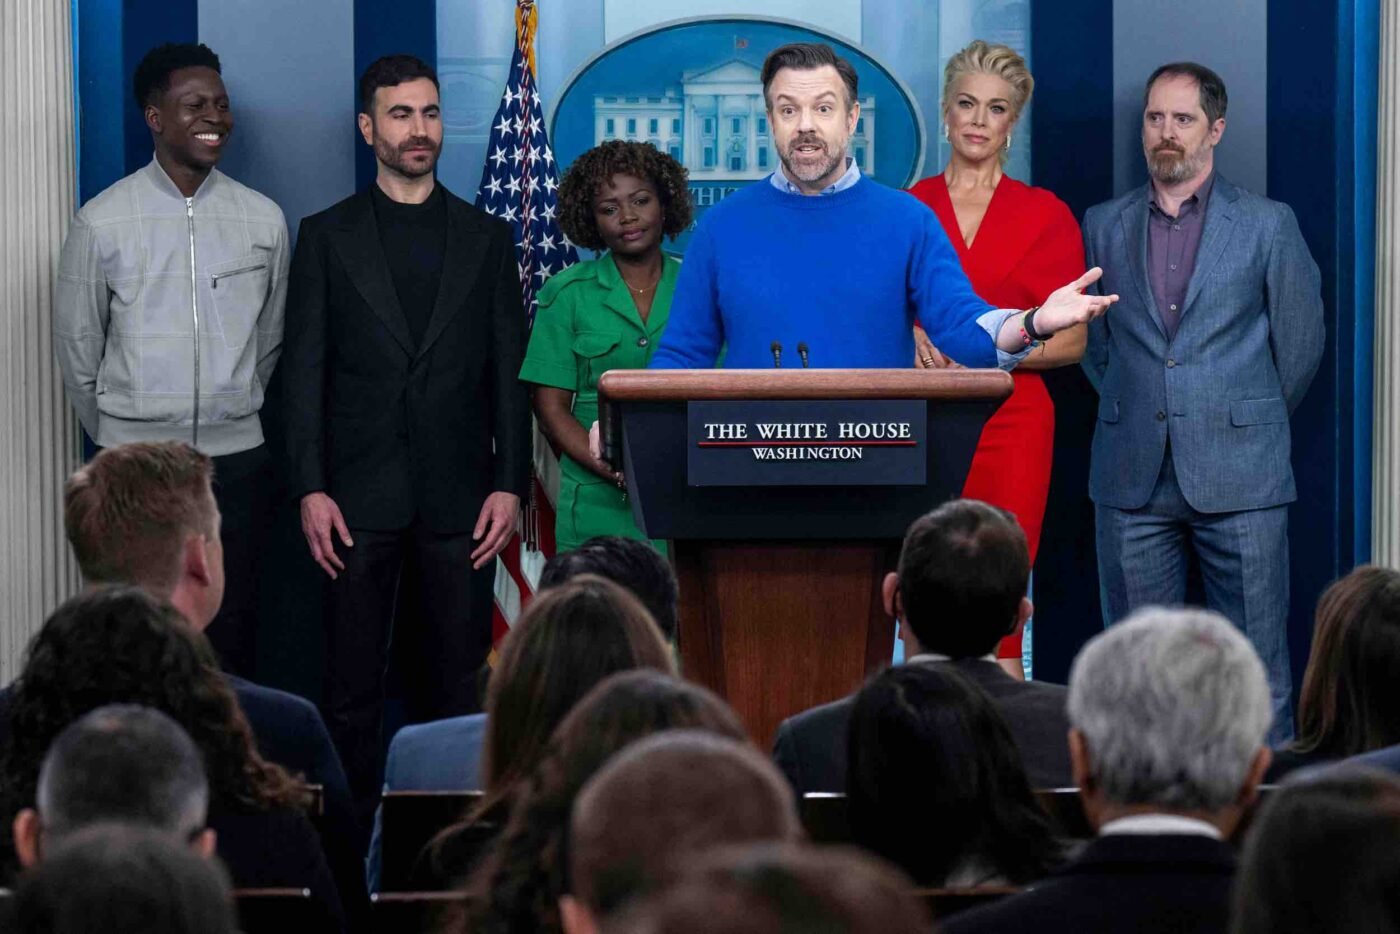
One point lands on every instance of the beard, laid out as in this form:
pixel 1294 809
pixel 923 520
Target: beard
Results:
pixel 399 158
pixel 1172 164
pixel 809 172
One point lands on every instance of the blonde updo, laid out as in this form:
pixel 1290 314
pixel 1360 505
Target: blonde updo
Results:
pixel 992 59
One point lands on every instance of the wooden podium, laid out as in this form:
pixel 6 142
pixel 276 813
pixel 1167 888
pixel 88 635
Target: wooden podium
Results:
pixel 780 605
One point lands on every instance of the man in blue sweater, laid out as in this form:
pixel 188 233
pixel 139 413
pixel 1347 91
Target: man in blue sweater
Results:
pixel 821 256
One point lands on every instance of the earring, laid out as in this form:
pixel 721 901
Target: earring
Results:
pixel 945 131
pixel 1007 147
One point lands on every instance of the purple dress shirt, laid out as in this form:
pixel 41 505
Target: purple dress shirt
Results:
pixel 1171 251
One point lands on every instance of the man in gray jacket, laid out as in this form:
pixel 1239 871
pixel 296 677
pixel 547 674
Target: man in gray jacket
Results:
pixel 168 313
pixel 1217 335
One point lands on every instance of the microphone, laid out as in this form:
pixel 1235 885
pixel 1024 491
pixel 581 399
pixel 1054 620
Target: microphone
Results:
pixel 777 349
pixel 802 352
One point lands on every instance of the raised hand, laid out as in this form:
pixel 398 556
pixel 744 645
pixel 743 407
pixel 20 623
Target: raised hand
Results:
pixel 1068 305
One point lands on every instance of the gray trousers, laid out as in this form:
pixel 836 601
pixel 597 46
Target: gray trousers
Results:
pixel 1143 557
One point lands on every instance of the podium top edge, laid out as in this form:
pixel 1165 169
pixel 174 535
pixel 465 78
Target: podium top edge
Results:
pixel 683 385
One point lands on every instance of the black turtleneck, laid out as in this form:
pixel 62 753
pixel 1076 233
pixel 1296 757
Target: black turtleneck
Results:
pixel 414 237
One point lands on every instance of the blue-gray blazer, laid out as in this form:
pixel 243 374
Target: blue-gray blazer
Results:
pixel 1249 341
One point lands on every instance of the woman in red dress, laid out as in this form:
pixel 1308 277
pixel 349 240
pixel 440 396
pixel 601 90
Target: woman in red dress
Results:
pixel 1016 243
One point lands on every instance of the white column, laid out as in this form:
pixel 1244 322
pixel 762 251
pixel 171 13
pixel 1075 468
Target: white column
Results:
pixel 39 444
pixel 1385 477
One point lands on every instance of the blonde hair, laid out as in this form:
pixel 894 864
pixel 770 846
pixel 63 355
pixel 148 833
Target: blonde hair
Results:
pixel 993 59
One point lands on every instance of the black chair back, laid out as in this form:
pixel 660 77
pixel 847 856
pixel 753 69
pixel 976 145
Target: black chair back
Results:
pixel 409 822
pixel 943 903
pixel 825 817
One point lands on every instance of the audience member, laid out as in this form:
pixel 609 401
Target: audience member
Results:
pixel 568 639
pixel 781 890
pixel 1322 856
pixel 960 587
pixel 628 562
pixel 121 645
pixel 1350 702
pixel 657 806
pixel 122 879
pixel 519 884
pixel 1169 711
pixel 119 763
pixel 936 785
pixel 144 514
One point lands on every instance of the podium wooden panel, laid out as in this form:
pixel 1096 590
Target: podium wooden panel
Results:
pixel 780 604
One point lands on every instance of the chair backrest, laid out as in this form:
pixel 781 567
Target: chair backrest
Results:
pixel 317 809
pixel 825 817
pixel 274 911
pixel 412 912
pixel 409 822
pixel 1066 812
pixel 945 902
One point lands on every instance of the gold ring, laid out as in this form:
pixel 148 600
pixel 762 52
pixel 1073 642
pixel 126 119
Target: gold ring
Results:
pixel 928 361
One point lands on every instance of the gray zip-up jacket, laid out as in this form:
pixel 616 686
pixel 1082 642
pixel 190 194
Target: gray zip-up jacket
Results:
pixel 168 311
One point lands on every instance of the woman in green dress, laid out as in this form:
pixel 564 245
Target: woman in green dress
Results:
pixel 604 314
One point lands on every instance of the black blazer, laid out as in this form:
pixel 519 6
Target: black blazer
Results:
pixel 1168 884
pixel 810 747
pixel 388 429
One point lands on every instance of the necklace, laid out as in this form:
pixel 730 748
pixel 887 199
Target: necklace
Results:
pixel 645 290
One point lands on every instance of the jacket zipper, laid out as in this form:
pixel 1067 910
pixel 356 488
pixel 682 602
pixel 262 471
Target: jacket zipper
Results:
pixel 194 312
pixel 214 279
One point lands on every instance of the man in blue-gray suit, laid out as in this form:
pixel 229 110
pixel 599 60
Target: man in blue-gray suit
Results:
pixel 1218 333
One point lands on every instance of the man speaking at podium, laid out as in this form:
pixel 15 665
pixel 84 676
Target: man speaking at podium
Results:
pixel 819 260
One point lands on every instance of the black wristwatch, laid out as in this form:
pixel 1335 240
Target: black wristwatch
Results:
pixel 1028 322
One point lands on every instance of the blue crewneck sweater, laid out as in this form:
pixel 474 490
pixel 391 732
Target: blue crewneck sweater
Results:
pixel 847 274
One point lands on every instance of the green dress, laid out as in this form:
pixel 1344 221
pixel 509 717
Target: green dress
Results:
pixel 586 324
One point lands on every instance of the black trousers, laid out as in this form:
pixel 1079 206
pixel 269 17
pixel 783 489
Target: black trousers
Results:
pixel 455 634
pixel 244 489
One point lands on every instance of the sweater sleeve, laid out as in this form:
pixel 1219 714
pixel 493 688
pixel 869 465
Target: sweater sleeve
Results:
pixel 694 332
pixel 943 300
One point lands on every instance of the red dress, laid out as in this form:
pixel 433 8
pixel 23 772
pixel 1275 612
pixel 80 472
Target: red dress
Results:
pixel 1027 246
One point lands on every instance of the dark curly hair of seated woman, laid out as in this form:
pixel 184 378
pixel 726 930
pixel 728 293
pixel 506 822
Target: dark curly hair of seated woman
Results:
pixel 120 645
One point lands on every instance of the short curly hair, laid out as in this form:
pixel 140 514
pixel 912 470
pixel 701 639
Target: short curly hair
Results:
pixel 621 157
pixel 153 73
pixel 121 645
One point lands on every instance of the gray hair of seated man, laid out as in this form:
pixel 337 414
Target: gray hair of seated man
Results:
pixel 127 763
pixel 1173 706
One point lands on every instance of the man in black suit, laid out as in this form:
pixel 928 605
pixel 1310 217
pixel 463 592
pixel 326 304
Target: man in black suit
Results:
pixel 1169 711
pixel 960 587
pixel 407 429
pixel 144 514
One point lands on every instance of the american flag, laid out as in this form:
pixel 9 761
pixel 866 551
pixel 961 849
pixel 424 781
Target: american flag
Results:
pixel 519 184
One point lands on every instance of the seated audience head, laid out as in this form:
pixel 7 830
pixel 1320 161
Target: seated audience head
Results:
pixel 1350 702
pixel 120 763
pixel 1322 856
pixel 936 786
pixel 1168 713
pixel 659 804
pixel 123 879
pixel 568 639
pixel 961 583
pixel 120 645
pixel 144 514
pixel 781 889
pixel 520 882
pixel 627 562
